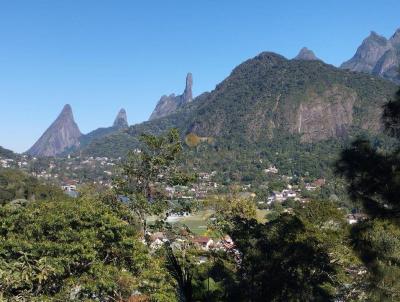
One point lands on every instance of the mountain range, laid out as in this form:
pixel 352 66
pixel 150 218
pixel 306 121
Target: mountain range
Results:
pixel 377 55
pixel 270 97
pixel 263 99
pixel 64 134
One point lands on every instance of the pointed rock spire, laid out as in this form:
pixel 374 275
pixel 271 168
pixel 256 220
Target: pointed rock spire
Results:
pixel 187 94
pixel 62 134
pixel 306 54
pixel 121 121
pixel 67 110
pixel 169 104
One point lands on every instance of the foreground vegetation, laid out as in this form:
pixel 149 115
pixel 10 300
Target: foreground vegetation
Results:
pixel 85 249
pixel 98 247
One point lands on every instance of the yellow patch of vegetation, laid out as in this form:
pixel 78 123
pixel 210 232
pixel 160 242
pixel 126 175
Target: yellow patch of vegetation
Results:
pixel 193 140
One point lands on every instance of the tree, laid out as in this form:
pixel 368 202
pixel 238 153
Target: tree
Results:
pixel 280 261
pixel 227 209
pixel 192 140
pixel 15 184
pixel 374 182
pixel 377 242
pixel 296 257
pixel 78 249
pixel 144 177
pixel 180 265
pixel 147 171
pixel 324 221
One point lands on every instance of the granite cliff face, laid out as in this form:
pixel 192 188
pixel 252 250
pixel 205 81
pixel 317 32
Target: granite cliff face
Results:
pixel 170 104
pixel 377 55
pixel 325 115
pixel 62 134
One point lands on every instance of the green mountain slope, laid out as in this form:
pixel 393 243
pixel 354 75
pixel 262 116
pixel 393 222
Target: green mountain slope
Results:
pixel 307 98
pixel 6 153
pixel 120 124
pixel 271 102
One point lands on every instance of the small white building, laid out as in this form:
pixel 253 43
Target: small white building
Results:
pixel 310 187
pixel 288 194
pixel 69 188
pixel 355 218
pixel 278 196
pixel 272 170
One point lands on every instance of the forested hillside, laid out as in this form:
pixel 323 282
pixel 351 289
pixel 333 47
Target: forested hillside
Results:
pixel 15 185
pixel 6 153
pixel 294 113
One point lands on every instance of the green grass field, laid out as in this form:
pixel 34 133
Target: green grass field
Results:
pixel 198 221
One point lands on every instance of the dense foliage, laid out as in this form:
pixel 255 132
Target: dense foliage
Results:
pixel 18 185
pixel 147 171
pixel 302 256
pixel 373 178
pixel 84 249
pixel 97 248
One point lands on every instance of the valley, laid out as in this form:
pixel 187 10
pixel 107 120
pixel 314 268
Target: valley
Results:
pixel 265 176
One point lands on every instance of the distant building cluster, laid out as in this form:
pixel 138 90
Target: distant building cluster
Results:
pixel 157 239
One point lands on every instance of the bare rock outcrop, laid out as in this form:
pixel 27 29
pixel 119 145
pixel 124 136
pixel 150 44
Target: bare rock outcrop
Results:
pixel 62 134
pixel 171 103
pixel 377 55
pixel 306 54
pixel 325 115
pixel 121 121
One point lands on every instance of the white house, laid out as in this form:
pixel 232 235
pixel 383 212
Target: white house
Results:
pixel 271 169
pixel 288 194
pixel 69 188
pixel 278 196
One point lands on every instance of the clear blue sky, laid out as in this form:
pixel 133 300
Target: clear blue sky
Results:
pixel 100 55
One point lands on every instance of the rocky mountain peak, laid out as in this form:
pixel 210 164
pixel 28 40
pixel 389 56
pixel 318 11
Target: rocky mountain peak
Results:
pixel 121 121
pixel 395 39
pixel 306 54
pixel 375 37
pixel 67 111
pixel 187 93
pixel 368 53
pixel 62 134
pixel 169 104
pixel 373 34
pixel 377 55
